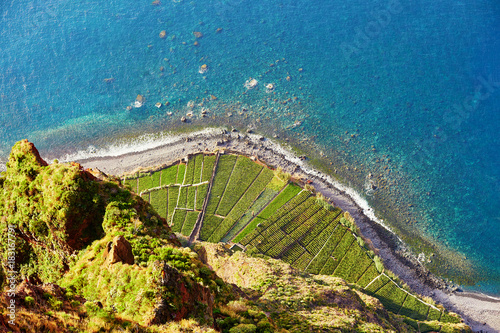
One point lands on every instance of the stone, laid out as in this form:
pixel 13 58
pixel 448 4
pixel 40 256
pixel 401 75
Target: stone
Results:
pixel 269 87
pixel 158 105
pixel 119 250
pixel 183 119
pixel 169 113
pixel 197 34
pixel 251 83
pixel 163 34
pixel 218 30
pixel 203 69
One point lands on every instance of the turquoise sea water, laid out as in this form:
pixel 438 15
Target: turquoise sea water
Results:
pixel 403 97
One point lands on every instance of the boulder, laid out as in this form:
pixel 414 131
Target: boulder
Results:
pixel 119 250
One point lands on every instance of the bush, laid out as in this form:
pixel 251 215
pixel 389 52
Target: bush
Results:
pixel 29 300
pixel 244 328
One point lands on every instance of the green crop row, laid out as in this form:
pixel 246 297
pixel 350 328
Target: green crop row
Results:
pixel 301 231
pixel 159 201
pixel 189 223
pixel 244 220
pixel 242 205
pixel 391 296
pixel 210 223
pixel 286 195
pixel 145 196
pixel 315 245
pixel 132 183
pixel 338 254
pixel 368 276
pixel 434 314
pixel 309 213
pixel 245 172
pixel 376 284
pixel 349 261
pixel 201 195
pixel 363 261
pixel 247 234
pixel 188 179
pixel 208 167
pixel 169 175
pixel 414 308
pixel 173 195
pixel 322 257
pixel 222 174
pixel 293 253
pixel 278 248
pixel 182 203
pixel 290 214
pixel 191 195
pixel 283 214
pixel 178 219
pixel 303 261
pixel 425 327
pixel 198 168
pixel 319 228
pixel 446 317
pixel 181 171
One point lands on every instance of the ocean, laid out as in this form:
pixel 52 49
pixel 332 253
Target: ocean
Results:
pixel 399 99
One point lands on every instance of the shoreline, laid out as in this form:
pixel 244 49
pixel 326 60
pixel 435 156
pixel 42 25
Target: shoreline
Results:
pixel 481 312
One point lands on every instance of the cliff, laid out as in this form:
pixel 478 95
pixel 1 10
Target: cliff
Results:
pixel 82 253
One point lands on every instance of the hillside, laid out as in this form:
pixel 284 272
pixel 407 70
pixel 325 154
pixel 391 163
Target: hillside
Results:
pixel 90 255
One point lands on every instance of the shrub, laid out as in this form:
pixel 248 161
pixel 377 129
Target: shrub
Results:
pixel 29 300
pixel 244 328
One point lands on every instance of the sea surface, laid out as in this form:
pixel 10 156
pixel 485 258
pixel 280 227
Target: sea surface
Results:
pixel 400 99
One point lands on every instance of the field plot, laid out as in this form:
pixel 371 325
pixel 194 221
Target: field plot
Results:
pixel 159 201
pixel 201 194
pixel 263 199
pixel 250 205
pixel 198 168
pixel 189 223
pixel 169 175
pixel 191 195
pixel 391 296
pixel 173 195
pixel 335 236
pixel 191 166
pixel 414 308
pixel 210 223
pixel 242 205
pixel 376 284
pixel 288 193
pixel 181 171
pixel 368 276
pixel 222 174
pixel 244 173
pixel 208 167
pixel 182 203
pixel 178 219
pixel 132 183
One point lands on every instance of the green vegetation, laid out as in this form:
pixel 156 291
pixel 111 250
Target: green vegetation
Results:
pixel 62 210
pixel 169 175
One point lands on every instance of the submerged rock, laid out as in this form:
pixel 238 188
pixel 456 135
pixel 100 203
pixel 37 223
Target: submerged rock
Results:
pixel 251 83
pixel 163 34
pixel 203 69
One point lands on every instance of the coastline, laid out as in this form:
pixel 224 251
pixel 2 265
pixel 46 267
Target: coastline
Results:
pixel 480 311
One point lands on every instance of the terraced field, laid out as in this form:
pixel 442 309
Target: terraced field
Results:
pixel 233 199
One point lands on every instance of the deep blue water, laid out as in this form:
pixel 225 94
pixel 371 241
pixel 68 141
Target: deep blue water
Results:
pixel 408 91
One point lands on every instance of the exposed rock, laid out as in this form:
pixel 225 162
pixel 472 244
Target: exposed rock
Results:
pixel 119 250
pixel 203 69
pixel 183 119
pixel 163 34
pixel 158 105
pixel 251 83
pixel 190 298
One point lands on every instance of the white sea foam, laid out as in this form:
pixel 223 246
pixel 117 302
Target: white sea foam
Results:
pixel 141 143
